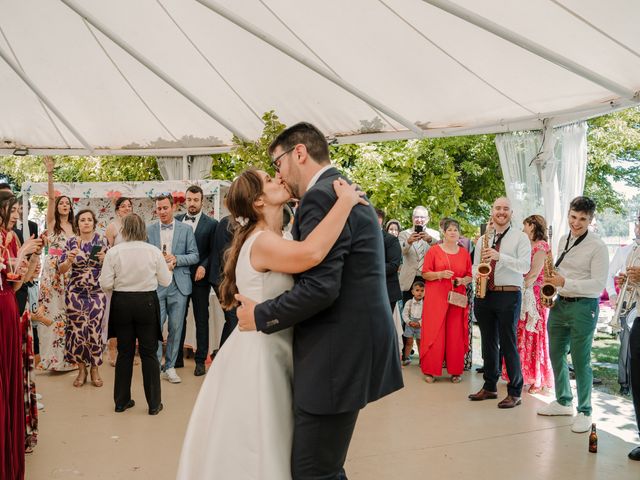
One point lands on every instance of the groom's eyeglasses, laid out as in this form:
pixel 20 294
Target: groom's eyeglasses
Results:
pixel 276 161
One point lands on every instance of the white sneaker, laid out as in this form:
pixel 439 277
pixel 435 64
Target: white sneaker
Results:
pixel 171 375
pixel 40 406
pixel 581 424
pixel 555 409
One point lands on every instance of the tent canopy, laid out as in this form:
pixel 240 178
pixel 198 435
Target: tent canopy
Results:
pixel 178 77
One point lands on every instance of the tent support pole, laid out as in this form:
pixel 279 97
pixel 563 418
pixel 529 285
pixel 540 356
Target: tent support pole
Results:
pixel 43 98
pixel 307 62
pixel 73 5
pixel 537 49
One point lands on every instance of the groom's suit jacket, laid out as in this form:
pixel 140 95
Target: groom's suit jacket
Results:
pixel 345 349
pixel 184 247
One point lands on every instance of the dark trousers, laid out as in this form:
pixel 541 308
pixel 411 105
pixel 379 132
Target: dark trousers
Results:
pixel 200 302
pixel 136 316
pixel 320 445
pixel 230 323
pixel 624 355
pixel 634 348
pixel 498 315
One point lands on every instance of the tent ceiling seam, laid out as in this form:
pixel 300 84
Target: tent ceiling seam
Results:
pixel 594 27
pixel 441 49
pixel 526 44
pixel 206 59
pixel 46 112
pixel 72 5
pixel 312 65
pixel 38 93
pixel 315 54
pixel 124 77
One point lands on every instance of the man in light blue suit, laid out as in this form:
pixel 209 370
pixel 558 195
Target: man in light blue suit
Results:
pixel 178 245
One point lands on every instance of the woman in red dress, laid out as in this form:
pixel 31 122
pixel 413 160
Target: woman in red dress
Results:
pixel 533 346
pixel 447 267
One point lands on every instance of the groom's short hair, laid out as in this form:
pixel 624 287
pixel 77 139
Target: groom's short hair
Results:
pixel 306 134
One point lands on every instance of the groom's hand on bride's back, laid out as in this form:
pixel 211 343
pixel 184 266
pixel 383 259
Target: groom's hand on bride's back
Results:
pixel 246 319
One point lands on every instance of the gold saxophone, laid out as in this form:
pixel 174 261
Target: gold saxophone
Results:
pixel 484 267
pixel 548 290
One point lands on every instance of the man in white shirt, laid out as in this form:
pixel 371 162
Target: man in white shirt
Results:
pixel 509 254
pixel 580 277
pixel 177 243
pixel 618 265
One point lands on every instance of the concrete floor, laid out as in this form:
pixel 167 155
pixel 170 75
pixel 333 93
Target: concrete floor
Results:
pixel 423 431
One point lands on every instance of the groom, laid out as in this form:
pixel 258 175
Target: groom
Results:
pixel 345 351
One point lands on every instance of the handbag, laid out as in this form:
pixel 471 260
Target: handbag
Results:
pixel 453 297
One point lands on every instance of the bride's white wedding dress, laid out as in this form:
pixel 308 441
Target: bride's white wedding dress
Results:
pixel 242 423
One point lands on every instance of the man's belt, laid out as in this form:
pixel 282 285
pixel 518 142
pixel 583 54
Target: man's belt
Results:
pixel 571 299
pixel 505 288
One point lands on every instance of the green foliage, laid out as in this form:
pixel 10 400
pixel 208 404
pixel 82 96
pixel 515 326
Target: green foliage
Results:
pixel 613 144
pixel 247 153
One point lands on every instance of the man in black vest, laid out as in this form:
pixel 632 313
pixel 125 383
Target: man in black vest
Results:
pixel 204 229
pixel 345 348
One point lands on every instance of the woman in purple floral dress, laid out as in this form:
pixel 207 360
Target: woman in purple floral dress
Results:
pixel 85 300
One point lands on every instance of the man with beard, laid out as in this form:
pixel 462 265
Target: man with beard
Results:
pixel 204 230
pixel 509 253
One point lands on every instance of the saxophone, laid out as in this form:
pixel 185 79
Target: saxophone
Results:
pixel 625 297
pixel 548 290
pixel 484 267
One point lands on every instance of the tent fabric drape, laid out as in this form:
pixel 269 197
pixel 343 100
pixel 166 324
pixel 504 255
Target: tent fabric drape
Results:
pixel 544 180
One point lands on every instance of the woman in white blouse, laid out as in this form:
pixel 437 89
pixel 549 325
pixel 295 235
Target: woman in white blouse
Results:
pixel 132 270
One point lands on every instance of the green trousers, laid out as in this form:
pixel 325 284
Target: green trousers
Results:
pixel 571 327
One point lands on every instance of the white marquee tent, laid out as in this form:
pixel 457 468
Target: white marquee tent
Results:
pixel 180 77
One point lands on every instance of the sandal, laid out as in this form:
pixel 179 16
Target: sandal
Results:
pixel 95 377
pixel 81 379
pixel 456 378
pixel 429 378
pixel 533 390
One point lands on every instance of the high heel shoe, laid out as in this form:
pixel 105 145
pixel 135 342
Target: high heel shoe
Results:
pixel 95 377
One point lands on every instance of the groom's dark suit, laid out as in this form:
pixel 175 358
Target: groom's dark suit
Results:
pixel 345 350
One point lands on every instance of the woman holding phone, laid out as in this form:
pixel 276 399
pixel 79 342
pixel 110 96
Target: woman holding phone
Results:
pixel 85 300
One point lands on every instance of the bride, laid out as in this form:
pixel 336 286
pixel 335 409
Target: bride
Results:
pixel 242 424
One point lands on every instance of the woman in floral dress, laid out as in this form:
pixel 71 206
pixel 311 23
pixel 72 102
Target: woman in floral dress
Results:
pixel 85 300
pixel 533 345
pixel 53 283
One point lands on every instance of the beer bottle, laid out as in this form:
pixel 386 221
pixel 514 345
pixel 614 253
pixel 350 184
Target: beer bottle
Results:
pixel 593 439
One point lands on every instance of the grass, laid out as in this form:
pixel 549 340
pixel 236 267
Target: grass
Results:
pixel 605 350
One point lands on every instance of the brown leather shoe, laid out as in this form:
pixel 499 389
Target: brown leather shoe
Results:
pixel 510 402
pixel 483 395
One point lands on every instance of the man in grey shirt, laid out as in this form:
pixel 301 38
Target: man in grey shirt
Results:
pixel 580 278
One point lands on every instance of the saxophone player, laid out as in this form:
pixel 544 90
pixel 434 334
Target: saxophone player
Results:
pixel 509 253
pixel 580 277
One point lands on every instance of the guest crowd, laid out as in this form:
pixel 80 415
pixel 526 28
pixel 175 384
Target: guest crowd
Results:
pixel 108 295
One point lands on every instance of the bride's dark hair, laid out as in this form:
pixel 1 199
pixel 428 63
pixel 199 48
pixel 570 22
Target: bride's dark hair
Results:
pixel 243 193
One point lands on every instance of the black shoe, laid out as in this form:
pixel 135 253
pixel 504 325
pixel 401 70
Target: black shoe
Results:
pixel 635 454
pixel 480 370
pixel 123 408
pixel 213 354
pixel 155 411
pixel 597 381
pixel 200 370
pixel 624 391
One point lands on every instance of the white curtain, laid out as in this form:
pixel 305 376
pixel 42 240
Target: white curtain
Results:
pixel 171 168
pixel 197 167
pixel 200 167
pixel 543 172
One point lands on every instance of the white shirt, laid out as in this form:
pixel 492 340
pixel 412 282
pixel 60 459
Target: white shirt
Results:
pixel 584 267
pixel 618 264
pixel 315 178
pixel 514 261
pixel 412 311
pixel 193 224
pixel 134 267
pixel 166 236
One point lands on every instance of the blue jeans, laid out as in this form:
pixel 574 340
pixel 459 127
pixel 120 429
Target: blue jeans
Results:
pixel 173 305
